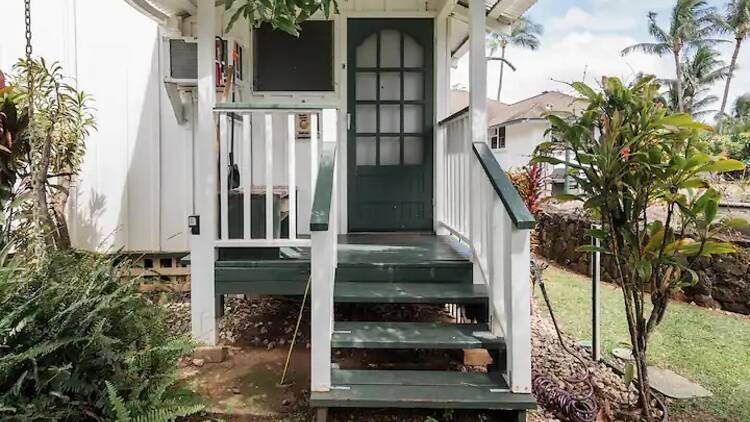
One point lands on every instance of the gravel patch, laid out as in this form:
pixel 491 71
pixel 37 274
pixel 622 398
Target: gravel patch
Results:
pixel 551 361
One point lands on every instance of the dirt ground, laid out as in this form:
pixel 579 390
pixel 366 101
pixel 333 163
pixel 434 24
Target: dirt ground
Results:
pixel 246 387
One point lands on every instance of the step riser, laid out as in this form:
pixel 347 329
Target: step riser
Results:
pixel 460 273
pixel 384 311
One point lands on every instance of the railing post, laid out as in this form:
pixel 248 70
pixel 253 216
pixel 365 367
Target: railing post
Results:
pixel 518 309
pixel 324 249
pixel 321 276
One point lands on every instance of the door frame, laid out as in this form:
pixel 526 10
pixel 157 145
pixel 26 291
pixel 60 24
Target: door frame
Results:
pixel 429 117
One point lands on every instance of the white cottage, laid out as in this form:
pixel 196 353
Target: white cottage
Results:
pixel 332 161
pixel 516 129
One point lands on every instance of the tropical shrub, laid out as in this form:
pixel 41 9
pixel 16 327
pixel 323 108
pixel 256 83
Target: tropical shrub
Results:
pixel 74 336
pixel 13 151
pixel 285 15
pixel 630 156
pixel 44 122
pixel 530 183
pixel 736 146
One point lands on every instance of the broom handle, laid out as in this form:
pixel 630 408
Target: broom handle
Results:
pixel 296 330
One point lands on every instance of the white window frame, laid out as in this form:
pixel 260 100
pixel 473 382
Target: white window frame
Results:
pixel 495 138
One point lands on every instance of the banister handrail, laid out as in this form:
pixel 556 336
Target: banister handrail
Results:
pixel 321 207
pixel 263 106
pixel 519 214
pixel 460 113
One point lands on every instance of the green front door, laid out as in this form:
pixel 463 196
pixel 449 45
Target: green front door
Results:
pixel 390 79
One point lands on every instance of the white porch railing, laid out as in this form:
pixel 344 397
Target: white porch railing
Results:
pixel 482 208
pixel 260 144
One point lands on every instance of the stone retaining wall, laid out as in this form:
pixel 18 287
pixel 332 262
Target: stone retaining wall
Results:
pixel 724 280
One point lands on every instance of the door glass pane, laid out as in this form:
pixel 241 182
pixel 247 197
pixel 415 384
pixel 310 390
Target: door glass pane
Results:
pixel 413 87
pixel 413 150
pixel 390 86
pixel 367 52
pixel 366 85
pixel 390 48
pixel 390 151
pixel 413 118
pixel 413 53
pixel 365 119
pixel 366 151
pixel 390 118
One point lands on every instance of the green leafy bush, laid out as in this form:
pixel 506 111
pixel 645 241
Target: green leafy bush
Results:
pixel 631 157
pixel 735 145
pixel 73 334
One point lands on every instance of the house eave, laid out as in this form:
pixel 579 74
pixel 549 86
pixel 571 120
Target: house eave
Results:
pixel 500 15
pixel 162 10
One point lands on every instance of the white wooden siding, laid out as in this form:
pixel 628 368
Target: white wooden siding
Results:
pixel 137 183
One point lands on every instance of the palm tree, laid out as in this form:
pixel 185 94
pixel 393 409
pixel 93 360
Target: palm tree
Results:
pixel 690 25
pixel 739 121
pixel 742 107
pixel 737 22
pixel 700 71
pixel 523 33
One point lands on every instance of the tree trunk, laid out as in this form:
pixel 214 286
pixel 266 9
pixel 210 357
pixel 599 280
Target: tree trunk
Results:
pixel 732 66
pixel 678 71
pixel 40 208
pixel 59 201
pixel 502 71
pixel 644 388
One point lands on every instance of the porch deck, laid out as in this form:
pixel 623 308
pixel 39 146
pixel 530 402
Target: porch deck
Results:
pixel 373 257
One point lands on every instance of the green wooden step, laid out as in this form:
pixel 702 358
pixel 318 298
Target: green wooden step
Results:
pixel 420 389
pixel 353 292
pixel 413 335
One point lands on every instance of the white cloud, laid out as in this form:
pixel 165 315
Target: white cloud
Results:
pixel 564 60
pixel 578 41
pixel 577 18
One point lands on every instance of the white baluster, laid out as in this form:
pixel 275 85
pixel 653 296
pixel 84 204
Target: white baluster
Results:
pixel 247 175
pixel 224 128
pixel 313 150
pixel 269 175
pixel 292 150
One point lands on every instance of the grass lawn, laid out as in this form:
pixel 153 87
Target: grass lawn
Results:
pixel 708 347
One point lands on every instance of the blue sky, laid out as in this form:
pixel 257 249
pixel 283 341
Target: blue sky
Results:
pixel 584 38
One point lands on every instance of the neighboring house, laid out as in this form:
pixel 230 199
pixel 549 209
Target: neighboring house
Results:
pixel 333 161
pixel 516 129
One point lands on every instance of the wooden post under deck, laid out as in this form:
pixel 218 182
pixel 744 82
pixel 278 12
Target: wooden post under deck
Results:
pixel 203 305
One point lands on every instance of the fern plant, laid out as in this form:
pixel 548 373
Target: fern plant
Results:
pixel 70 329
pixel 129 412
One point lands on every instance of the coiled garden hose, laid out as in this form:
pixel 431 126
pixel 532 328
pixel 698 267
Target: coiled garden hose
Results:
pixel 563 403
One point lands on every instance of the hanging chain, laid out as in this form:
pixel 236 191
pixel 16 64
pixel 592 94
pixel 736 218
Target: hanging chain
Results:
pixel 27 18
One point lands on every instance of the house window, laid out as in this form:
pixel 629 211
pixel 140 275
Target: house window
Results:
pixel 497 137
pixel 283 62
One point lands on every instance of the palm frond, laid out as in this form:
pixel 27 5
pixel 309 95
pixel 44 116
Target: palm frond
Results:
pixel 737 17
pixel 658 49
